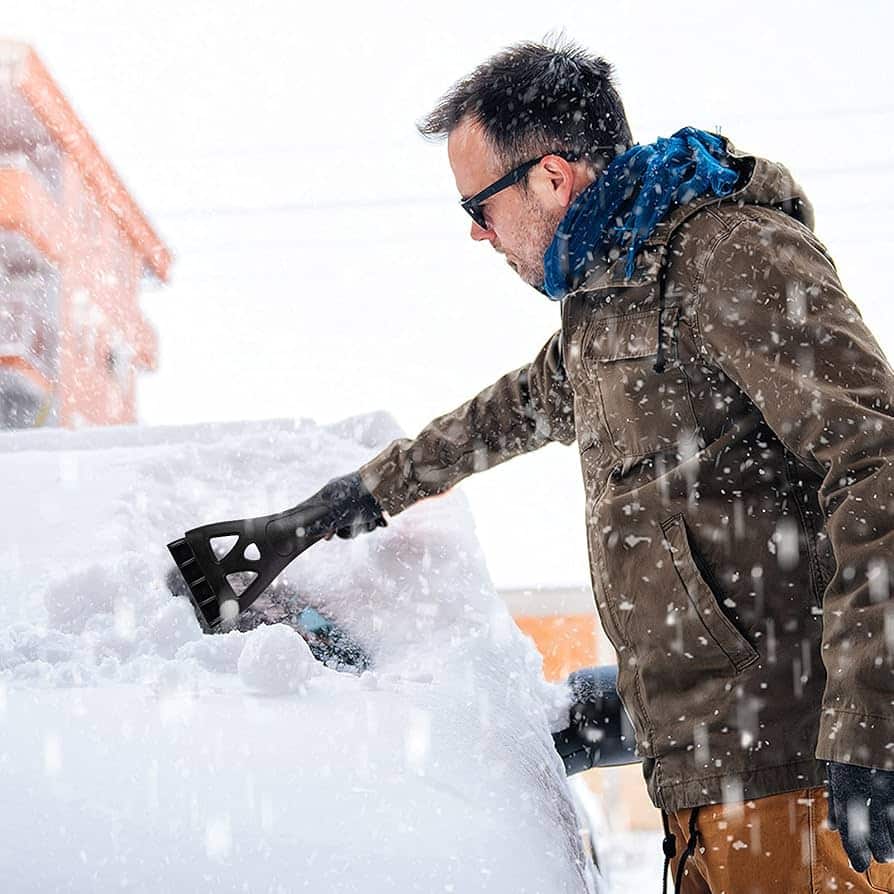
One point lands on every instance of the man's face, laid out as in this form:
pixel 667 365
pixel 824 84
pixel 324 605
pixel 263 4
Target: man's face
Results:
pixel 521 222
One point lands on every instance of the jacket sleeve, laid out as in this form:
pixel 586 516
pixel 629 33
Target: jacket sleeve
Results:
pixel 775 317
pixel 520 412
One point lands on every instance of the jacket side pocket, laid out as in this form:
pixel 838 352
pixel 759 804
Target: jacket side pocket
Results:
pixel 719 627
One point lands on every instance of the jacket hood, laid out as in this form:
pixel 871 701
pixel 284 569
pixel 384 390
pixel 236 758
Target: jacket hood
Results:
pixel 764 183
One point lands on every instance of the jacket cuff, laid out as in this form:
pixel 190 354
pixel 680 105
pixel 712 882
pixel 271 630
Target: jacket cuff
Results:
pixel 847 737
pixel 387 479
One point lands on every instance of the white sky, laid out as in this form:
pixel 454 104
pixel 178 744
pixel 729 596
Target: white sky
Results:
pixel 322 266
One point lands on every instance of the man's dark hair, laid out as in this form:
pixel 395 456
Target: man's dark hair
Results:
pixel 531 99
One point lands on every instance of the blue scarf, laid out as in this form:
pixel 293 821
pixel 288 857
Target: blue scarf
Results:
pixel 621 208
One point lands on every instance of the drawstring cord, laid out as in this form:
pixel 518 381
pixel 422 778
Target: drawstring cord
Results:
pixel 669 846
pixel 690 850
pixel 661 357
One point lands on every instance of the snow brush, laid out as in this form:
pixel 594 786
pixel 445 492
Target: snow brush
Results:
pixel 227 565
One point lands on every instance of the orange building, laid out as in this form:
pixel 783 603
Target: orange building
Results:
pixel 74 251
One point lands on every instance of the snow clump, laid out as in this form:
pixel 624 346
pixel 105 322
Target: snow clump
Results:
pixel 276 660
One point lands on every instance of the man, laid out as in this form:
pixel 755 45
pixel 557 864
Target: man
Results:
pixel 734 421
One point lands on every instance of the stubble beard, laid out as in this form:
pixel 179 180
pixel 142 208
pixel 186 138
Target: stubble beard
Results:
pixel 541 228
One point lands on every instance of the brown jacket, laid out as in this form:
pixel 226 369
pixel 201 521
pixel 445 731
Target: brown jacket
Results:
pixel 734 420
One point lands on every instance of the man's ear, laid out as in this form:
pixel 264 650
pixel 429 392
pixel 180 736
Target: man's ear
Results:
pixel 561 178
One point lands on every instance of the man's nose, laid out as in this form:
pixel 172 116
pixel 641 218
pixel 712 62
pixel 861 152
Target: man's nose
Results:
pixel 479 233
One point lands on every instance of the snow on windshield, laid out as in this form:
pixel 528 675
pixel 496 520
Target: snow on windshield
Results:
pixel 140 753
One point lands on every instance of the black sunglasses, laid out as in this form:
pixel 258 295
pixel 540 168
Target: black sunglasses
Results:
pixel 472 205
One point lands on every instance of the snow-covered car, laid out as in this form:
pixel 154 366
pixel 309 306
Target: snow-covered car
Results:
pixel 140 753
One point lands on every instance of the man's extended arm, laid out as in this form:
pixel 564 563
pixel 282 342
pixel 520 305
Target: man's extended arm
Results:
pixel 520 412
pixel 775 318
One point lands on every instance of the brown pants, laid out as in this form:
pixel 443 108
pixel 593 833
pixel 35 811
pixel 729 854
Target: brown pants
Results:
pixel 775 845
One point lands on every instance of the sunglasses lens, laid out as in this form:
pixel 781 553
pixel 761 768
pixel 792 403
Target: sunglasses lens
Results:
pixel 478 216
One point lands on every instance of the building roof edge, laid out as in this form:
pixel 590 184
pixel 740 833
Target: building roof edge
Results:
pixel 48 102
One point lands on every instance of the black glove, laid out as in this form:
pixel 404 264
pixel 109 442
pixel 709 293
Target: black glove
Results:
pixel 599 733
pixel 345 507
pixel 861 808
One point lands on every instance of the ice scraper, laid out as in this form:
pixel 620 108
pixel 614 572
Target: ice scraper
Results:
pixel 227 565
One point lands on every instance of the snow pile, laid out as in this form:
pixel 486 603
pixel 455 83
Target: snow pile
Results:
pixel 276 660
pixel 149 756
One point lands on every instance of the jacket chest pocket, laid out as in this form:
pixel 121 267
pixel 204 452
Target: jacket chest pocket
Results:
pixel 645 411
